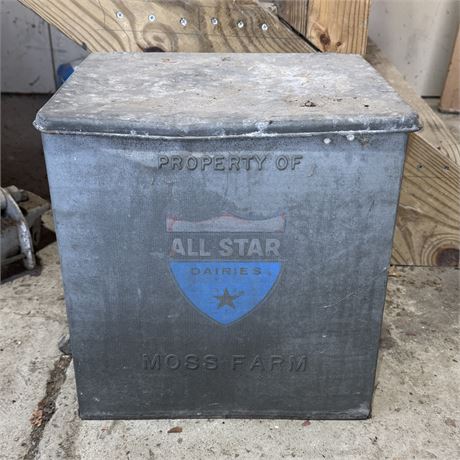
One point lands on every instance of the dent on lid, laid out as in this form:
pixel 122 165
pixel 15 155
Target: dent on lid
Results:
pixel 199 94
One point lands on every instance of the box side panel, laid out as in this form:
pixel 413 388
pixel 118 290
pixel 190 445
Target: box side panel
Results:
pixel 241 277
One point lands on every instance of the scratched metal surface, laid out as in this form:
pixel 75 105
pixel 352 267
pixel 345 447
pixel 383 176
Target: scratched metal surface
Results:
pixel 307 349
pixel 199 94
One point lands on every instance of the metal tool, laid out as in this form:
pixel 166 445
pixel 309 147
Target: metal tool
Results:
pixel 21 225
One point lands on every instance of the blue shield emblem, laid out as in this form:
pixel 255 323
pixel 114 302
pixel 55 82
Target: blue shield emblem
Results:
pixel 223 275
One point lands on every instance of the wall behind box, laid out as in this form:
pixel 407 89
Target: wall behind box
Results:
pixel 418 37
pixel 32 50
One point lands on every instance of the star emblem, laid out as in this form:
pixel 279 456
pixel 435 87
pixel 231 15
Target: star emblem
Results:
pixel 226 299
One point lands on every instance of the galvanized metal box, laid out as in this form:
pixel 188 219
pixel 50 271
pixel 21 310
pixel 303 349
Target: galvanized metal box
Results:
pixel 225 225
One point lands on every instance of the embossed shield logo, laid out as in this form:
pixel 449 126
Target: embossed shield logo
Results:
pixel 226 266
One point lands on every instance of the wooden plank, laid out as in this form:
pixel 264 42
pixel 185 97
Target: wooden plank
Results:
pixel 295 13
pixel 434 131
pixel 450 99
pixel 338 26
pixel 428 223
pixel 117 25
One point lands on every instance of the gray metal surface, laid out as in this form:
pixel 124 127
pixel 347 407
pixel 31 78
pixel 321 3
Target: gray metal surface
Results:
pixel 199 94
pixel 225 226
pixel 142 347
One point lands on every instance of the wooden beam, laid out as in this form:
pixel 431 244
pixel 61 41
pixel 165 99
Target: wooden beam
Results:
pixel 338 26
pixel 450 99
pixel 295 13
pixel 170 25
pixel 428 223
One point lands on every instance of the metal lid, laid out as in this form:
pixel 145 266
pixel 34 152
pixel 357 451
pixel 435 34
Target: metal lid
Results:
pixel 217 95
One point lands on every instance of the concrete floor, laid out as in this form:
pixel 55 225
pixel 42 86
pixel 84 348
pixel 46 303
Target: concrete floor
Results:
pixel 416 404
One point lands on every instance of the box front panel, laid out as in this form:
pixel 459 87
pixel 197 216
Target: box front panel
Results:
pixel 232 277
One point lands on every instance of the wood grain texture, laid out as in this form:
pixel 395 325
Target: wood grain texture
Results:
pixel 450 99
pixel 295 13
pixel 117 25
pixel 428 223
pixel 338 26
